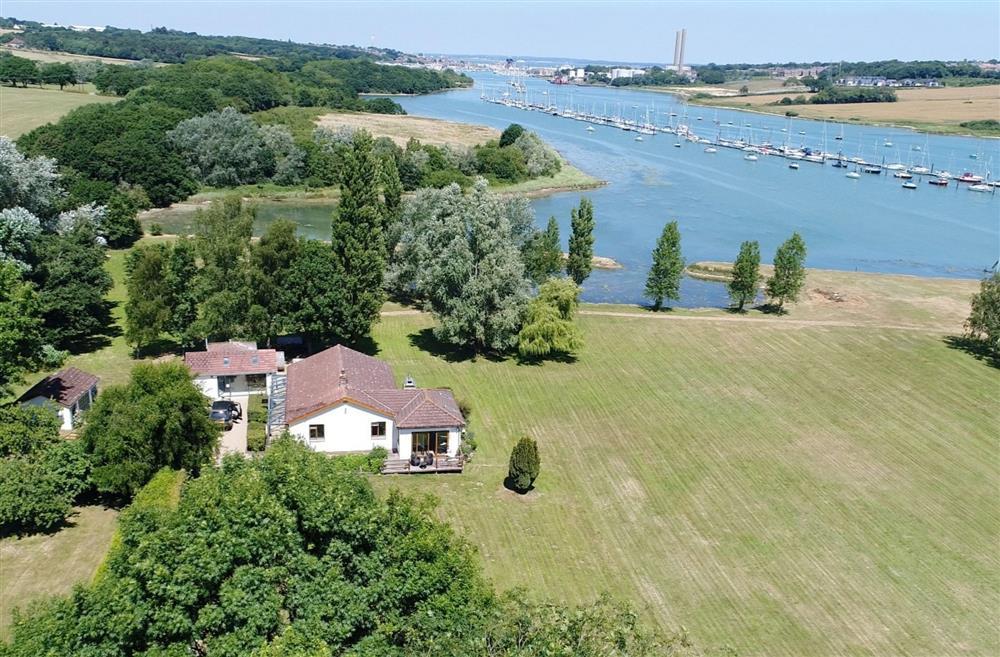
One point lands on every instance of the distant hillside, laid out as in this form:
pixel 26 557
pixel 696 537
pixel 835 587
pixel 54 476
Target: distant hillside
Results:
pixel 164 45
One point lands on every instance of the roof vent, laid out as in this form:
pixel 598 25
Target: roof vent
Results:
pixel 343 377
pixel 225 361
pixel 409 383
pixel 254 360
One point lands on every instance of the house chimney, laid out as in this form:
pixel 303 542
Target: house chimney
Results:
pixel 409 383
pixel 343 377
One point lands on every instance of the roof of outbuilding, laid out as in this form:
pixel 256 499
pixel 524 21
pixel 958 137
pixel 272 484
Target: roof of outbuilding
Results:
pixel 65 387
pixel 340 374
pixel 232 358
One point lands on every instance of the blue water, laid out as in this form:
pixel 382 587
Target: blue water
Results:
pixel 719 200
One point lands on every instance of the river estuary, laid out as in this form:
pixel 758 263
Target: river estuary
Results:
pixel 868 224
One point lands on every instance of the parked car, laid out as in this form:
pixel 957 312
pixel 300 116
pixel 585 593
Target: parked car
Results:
pixel 222 416
pixel 234 408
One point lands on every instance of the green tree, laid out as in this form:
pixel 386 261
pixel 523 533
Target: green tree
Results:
pixel 40 473
pixel 746 273
pixel 542 255
pixel 525 465
pixel 392 188
pixel 72 284
pixel 15 70
pixel 581 242
pixel 510 134
pixel 664 280
pixel 222 239
pixel 311 297
pixel 271 259
pixel 181 274
pixel 358 240
pixel 549 327
pixel 789 271
pixel 147 310
pixel 224 148
pixel 159 418
pixel 121 226
pixel 21 328
pixel 57 73
pixel 475 283
pixel 984 320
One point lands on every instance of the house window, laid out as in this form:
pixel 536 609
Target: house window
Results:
pixel 430 441
pixel 378 429
pixel 257 382
pixel 317 431
pixel 225 382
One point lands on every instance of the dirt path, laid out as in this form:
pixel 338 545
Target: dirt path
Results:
pixel 781 321
pixel 774 321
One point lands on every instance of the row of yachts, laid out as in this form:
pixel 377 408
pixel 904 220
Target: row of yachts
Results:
pixel 854 167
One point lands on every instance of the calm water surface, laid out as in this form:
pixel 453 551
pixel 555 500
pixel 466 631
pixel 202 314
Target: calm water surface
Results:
pixel 870 224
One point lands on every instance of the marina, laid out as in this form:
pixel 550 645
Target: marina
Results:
pixel 869 223
pixel 742 137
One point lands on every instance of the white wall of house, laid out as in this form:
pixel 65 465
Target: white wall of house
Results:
pixel 406 440
pixel 209 386
pixel 64 414
pixel 346 428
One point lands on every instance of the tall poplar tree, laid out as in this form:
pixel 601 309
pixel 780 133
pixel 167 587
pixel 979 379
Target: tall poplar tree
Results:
pixel 664 281
pixel 581 242
pixel 789 271
pixel 358 239
pixel 746 271
pixel 542 256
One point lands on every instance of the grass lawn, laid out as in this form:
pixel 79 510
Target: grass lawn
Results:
pixel 931 110
pixel 804 491
pixel 22 110
pixel 41 565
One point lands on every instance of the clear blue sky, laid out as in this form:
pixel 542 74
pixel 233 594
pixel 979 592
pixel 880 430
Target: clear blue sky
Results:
pixel 719 32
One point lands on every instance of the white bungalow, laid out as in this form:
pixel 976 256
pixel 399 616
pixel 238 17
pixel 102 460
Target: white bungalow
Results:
pixel 68 393
pixel 225 369
pixel 341 400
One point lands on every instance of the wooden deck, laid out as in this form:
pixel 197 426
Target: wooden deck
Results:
pixel 440 465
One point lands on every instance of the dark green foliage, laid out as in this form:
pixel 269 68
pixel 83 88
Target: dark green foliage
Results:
pixel 789 271
pixel 358 240
pixel 746 273
pixel 123 142
pixel 984 320
pixel 311 299
pixel 548 328
pixel 180 274
pixel 120 225
pixel 17 70
pixel 40 473
pixel 664 280
pixel 21 326
pixel 581 242
pixel 72 283
pixel 148 309
pixel 510 134
pixel 525 465
pixel 57 73
pixel 501 164
pixel 119 80
pixel 837 95
pixel 159 418
pixel 542 255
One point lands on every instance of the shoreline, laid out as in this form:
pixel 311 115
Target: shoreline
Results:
pixel 779 111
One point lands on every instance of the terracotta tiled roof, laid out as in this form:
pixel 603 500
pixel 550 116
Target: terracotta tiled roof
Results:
pixel 232 358
pixel 340 374
pixel 64 387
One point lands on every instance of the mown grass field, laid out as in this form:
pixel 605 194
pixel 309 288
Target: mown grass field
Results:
pixel 786 490
pixel 935 110
pixel 23 110
pixel 42 565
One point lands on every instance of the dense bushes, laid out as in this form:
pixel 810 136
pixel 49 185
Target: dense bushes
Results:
pixel 289 554
pixel 40 473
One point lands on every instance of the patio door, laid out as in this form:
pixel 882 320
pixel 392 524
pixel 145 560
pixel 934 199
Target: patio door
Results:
pixel 430 441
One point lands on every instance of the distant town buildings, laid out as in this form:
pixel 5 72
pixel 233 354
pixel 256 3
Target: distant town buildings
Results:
pixel 616 73
pixel 782 72
pixel 879 81
pixel 76 28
